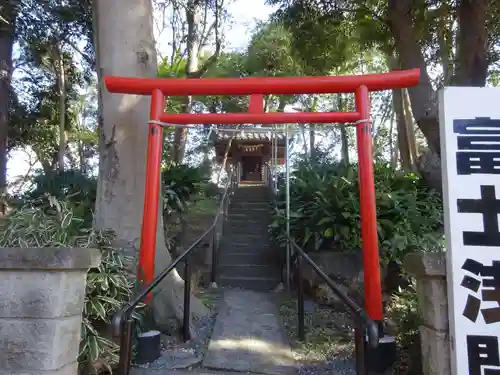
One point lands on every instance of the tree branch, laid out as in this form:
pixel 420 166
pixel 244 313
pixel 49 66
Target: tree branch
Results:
pixel 218 43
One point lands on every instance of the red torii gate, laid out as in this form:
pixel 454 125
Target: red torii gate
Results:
pixel 361 85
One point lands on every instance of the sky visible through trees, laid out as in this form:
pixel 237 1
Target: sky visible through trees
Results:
pixel 245 15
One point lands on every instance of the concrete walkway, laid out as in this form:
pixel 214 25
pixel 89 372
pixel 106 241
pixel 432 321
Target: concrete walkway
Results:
pixel 248 336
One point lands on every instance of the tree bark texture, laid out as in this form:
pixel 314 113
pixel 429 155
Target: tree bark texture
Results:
pixel 125 47
pixel 471 69
pixel 6 46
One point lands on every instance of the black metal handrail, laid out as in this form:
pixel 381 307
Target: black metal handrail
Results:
pixel 364 326
pixel 122 320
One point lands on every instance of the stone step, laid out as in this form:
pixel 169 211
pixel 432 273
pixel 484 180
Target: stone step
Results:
pixel 248 203
pixel 260 258
pixel 251 198
pixel 243 199
pixel 250 283
pixel 247 216
pixel 241 235
pixel 247 210
pixel 243 245
pixel 241 232
pixel 250 235
pixel 257 239
pixel 247 270
pixel 246 206
pixel 261 253
pixel 243 227
pixel 241 217
pixel 242 223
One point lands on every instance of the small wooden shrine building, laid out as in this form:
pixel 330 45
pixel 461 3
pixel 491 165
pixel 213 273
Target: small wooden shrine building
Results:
pixel 250 152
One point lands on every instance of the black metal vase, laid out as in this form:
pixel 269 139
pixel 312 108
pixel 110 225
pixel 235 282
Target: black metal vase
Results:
pixel 148 347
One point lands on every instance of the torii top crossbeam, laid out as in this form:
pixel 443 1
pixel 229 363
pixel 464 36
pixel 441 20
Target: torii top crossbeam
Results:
pixel 256 87
pixel 263 85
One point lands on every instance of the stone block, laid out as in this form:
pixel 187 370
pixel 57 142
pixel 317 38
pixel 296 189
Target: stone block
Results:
pixel 41 294
pixel 432 299
pixel 425 264
pixel 32 344
pixel 48 258
pixel 436 358
pixel 70 369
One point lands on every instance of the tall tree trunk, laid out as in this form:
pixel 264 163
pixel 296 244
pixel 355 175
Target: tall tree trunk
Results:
pixel 393 143
pixel 471 69
pixel 472 63
pixel 445 47
pixel 195 41
pixel 312 141
pixel 304 140
pixel 81 157
pixel 410 129
pixel 423 97
pixel 126 48
pixel 193 17
pixel 404 148
pixel 312 130
pixel 61 82
pixel 226 153
pixel 344 149
pixel 401 126
pixel 6 46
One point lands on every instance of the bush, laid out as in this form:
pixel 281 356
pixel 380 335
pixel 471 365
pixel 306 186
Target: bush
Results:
pixel 79 191
pixel 76 189
pixel 325 210
pixel 180 183
pixel 107 285
pixel 406 317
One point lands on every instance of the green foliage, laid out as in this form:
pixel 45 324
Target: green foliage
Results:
pixel 270 52
pixel 75 188
pixel 180 183
pixel 107 285
pixel 406 318
pixel 403 308
pixel 52 37
pixel 167 69
pixel 323 38
pixel 210 190
pixel 325 210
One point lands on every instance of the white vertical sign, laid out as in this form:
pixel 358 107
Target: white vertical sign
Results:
pixel 470 154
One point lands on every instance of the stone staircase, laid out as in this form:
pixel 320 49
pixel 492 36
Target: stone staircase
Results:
pixel 245 258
